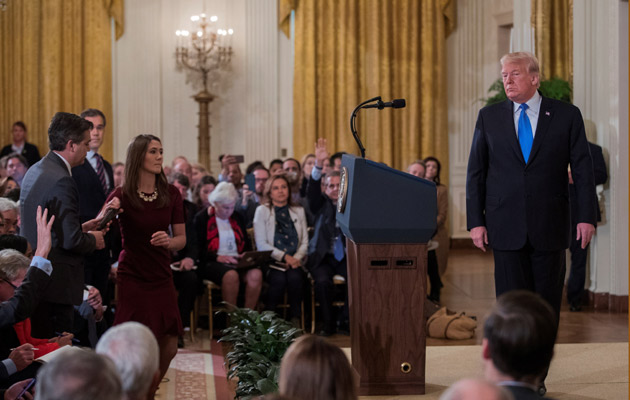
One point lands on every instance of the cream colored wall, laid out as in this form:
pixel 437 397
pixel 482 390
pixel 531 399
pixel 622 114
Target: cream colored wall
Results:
pixel 250 115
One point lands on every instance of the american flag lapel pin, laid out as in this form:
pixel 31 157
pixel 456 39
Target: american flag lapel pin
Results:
pixel 547 113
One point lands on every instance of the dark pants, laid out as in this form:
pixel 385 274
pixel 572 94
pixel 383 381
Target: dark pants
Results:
pixel 49 319
pixel 577 275
pixel 187 285
pixel 292 282
pixel 538 271
pixel 434 276
pixel 97 273
pixel 325 289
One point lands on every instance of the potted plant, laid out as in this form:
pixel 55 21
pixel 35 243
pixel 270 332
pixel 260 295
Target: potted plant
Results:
pixel 259 340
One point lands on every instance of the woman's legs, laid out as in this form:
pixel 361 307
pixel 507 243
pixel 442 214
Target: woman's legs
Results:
pixel 229 286
pixel 295 290
pixel 168 350
pixel 253 283
pixel 277 281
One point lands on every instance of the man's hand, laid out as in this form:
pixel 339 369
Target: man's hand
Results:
pixel 13 392
pixel 22 356
pixel 186 264
pixel 479 236
pixel 100 240
pixel 65 339
pixel 44 240
pixel 94 299
pixel 225 163
pixel 246 195
pixel 585 231
pixel 321 152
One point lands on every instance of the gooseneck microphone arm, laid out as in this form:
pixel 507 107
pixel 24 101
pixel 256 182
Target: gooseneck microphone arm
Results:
pixel 353 128
pixel 396 103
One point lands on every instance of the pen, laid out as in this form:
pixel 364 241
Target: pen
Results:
pixel 15 348
pixel 73 339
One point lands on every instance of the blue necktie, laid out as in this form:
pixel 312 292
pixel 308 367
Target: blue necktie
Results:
pixel 338 251
pixel 525 135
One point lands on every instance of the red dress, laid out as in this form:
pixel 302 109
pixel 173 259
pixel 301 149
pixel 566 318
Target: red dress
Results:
pixel 146 292
pixel 23 332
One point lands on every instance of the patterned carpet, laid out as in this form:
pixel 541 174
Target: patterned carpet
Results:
pixel 578 371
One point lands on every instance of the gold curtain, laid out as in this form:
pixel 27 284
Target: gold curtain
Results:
pixel 347 51
pixel 55 56
pixel 552 21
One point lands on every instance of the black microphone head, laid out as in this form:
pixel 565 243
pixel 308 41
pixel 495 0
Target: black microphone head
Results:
pixel 399 103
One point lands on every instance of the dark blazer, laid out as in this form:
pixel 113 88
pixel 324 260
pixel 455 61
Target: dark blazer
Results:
pixel 21 305
pixel 601 176
pixel 49 184
pixel 29 151
pixel 92 195
pixel 325 214
pixel 517 201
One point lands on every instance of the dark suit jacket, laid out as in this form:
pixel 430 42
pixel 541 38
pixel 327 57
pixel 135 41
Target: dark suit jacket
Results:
pixel 524 393
pixel 517 201
pixel 49 184
pixel 92 195
pixel 601 176
pixel 325 214
pixel 30 152
pixel 21 305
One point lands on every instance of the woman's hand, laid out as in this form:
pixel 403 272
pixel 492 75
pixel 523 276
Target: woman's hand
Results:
pixel 227 259
pixel 292 261
pixel 44 239
pixel 186 264
pixel 160 239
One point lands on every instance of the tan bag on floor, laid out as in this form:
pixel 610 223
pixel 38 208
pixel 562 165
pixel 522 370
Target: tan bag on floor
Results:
pixel 445 325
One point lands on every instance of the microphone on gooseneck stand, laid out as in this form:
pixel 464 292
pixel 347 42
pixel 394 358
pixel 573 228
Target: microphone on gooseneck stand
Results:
pixel 396 103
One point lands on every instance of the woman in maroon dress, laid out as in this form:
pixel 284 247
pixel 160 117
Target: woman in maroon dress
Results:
pixel 150 205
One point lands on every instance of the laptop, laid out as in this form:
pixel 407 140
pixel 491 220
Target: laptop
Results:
pixel 251 259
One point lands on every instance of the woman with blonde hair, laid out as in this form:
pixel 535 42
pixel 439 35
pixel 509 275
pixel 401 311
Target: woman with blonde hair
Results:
pixel 314 369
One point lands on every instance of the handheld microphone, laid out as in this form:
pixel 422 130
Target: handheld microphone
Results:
pixel 396 103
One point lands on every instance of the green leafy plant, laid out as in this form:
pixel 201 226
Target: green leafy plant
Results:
pixel 554 88
pixel 259 340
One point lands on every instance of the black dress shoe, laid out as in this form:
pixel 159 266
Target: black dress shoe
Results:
pixel 542 389
pixel 180 342
pixel 575 307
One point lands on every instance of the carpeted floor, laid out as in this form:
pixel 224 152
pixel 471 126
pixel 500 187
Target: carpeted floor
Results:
pixel 578 371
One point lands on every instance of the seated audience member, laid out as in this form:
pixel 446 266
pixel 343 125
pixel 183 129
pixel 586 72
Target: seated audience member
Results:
pixel 22 304
pixel 314 369
pixel 327 252
pixel 9 210
pixel 275 166
pixel 293 172
pixel 221 241
pixel 119 173
pixel 231 172
pixel 134 350
pixel 308 162
pixel 280 226
pixel 186 281
pixel 183 167
pixel 475 389
pixel 253 166
pixel 78 374
pixel 201 192
pixel 21 146
pixel 7 184
pixel 198 171
pixel 252 199
pixel 16 167
pixel 417 168
pixel 18 348
pixel 518 339
pixel 335 161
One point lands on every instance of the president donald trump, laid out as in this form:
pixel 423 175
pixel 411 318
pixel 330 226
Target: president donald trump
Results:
pixel 517 189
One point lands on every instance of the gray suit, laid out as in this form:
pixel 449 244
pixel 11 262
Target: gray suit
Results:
pixel 48 184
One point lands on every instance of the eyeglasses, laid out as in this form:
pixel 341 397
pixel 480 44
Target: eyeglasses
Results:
pixel 12 285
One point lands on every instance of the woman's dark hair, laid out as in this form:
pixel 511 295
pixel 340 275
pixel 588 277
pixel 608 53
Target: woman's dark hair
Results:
pixel 136 152
pixel 267 192
pixel 14 242
pixel 205 180
pixel 439 168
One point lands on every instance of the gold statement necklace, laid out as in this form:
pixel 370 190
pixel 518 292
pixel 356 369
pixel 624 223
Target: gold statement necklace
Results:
pixel 148 197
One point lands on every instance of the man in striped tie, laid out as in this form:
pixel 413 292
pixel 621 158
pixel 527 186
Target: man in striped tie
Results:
pixel 95 181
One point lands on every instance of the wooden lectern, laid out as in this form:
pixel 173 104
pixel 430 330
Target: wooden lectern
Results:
pixel 388 216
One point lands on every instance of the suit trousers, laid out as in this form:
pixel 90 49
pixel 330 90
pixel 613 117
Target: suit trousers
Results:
pixel 325 288
pixel 538 271
pixel 577 275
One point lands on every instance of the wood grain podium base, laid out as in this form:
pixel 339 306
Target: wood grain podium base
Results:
pixel 386 293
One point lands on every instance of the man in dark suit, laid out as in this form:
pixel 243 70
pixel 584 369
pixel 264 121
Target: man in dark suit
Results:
pixel 49 184
pixel 577 276
pixel 326 249
pixel 517 191
pixel 20 145
pixel 517 351
pixel 95 180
